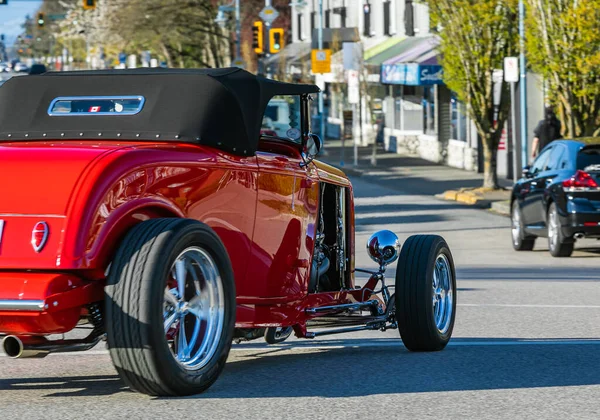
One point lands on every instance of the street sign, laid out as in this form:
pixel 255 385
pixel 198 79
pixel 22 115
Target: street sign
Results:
pixel 352 55
pixel 353 87
pixel 321 61
pixel 268 14
pixel 511 69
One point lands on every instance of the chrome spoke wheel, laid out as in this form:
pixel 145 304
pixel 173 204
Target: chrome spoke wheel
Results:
pixel 442 294
pixel 552 230
pixel 193 308
pixel 516 226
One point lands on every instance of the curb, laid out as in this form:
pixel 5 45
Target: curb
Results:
pixel 501 207
pixel 465 197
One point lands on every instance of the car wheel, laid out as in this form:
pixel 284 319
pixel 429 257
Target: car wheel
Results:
pixel 425 293
pixel 275 335
pixel 519 240
pixel 170 305
pixel 558 245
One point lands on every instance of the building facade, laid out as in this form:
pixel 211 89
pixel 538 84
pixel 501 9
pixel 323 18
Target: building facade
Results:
pixel 404 102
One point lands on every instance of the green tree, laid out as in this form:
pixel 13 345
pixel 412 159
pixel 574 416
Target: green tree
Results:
pixel 563 45
pixel 476 35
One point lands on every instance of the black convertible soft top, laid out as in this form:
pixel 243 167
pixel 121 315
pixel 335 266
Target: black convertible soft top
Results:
pixel 222 108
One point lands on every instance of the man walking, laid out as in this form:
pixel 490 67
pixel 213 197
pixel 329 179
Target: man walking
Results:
pixel 546 131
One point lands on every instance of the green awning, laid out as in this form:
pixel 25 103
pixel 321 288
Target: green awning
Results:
pixel 386 52
pixel 379 48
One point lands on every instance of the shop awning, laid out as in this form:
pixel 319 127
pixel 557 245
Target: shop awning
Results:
pixel 415 66
pixel 290 54
pixel 423 46
pixel 398 47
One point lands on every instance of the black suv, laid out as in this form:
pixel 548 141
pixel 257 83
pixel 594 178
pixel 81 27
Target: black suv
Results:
pixel 559 197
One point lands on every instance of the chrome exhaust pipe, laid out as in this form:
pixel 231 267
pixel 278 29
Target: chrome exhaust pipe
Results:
pixel 14 348
pixel 579 235
pixel 39 347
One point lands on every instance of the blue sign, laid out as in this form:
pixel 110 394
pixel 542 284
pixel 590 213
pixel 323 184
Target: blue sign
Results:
pixel 412 74
pixel 122 58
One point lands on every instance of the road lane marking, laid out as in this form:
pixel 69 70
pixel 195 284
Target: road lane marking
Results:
pixel 518 305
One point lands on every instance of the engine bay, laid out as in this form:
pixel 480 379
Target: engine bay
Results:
pixel 329 271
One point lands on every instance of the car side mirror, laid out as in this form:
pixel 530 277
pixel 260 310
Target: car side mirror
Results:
pixel 527 172
pixel 311 147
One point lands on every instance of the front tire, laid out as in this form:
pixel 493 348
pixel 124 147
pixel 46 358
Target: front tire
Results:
pixel 425 293
pixel 520 241
pixel 170 302
pixel 558 245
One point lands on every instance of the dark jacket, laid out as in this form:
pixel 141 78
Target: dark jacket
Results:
pixel 547 130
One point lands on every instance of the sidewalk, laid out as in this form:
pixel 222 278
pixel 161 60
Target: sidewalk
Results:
pixel 418 176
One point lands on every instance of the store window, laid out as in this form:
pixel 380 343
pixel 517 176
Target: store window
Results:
pixel 429 125
pixel 458 118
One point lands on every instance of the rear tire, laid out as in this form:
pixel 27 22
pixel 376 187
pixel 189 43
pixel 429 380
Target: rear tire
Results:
pixel 520 241
pixel 167 340
pixel 425 293
pixel 558 245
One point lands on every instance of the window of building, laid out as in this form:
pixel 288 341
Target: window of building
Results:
pixel 313 17
pixel 342 12
pixel 386 17
pixel 300 34
pixel 367 19
pixel 327 18
pixel 429 125
pixel 458 118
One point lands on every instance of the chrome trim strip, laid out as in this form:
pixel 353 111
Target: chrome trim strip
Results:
pixel 1 230
pixel 41 216
pixel 91 98
pixel 22 305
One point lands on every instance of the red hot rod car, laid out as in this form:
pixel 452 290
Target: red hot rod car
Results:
pixel 147 207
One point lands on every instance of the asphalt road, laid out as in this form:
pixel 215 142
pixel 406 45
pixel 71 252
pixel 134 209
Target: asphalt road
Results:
pixel 525 344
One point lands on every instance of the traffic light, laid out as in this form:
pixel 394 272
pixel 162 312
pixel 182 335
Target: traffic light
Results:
pixel 258 37
pixel 89 4
pixel 275 40
pixel 40 20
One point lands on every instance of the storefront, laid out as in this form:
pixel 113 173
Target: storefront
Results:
pixel 423 117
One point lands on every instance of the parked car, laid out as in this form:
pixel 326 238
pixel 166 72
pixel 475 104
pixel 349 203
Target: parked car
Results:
pixel 4 67
pixel 558 197
pixel 20 67
pixel 37 69
pixel 158 215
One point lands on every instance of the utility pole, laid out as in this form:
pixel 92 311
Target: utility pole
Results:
pixel 523 84
pixel 267 42
pixel 320 47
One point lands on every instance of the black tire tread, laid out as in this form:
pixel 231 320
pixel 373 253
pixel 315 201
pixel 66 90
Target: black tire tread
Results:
pixel 415 325
pixel 527 242
pixel 128 342
pixel 142 237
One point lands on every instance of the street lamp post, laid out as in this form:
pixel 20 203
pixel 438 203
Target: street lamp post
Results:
pixel 320 46
pixel 523 85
